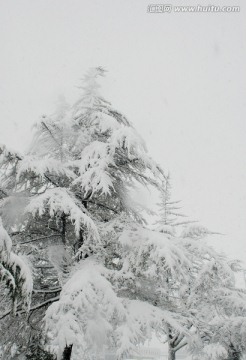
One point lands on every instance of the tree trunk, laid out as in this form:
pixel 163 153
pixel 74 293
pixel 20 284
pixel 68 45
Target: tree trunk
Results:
pixel 171 353
pixel 67 352
pixel 63 229
pixel 233 353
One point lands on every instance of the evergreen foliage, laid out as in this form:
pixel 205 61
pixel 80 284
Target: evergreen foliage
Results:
pixel 102 278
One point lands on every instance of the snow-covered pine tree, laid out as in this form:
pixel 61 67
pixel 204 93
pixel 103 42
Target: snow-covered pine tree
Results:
pixel 169 216
pixel 211 298
pixel 170 220
pixel 73 181
pixel 112 160
pixel 100 278
pixel 183 275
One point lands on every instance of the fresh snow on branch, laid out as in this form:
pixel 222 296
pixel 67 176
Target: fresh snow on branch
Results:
pixel 91 316
pixel 14 270
pixel 42 166
pixel 61 200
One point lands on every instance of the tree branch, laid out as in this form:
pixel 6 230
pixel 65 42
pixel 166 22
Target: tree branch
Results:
pixel 37 239
pixel 180 346
pixel 46 291
pixel 47 302
pixel 102 205
pixel 2 316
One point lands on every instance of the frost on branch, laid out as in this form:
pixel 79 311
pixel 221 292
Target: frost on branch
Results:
pixel 14 271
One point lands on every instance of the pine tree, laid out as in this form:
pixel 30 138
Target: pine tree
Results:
pixel 102 278
pixel 74 179
pixel 170 217
pixel 170 220
pixel 211 296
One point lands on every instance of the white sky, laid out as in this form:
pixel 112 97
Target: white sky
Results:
pixel 180 78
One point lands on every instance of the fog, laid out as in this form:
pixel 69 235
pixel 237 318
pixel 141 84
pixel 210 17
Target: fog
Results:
pixel 178 77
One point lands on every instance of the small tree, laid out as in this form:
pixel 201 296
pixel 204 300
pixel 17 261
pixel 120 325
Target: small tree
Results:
pixel 170 217
pixel 202 258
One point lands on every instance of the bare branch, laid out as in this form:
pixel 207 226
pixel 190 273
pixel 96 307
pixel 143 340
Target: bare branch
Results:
pixel 2 316
pixel 47 302
pixel 46 291
pixel 38 239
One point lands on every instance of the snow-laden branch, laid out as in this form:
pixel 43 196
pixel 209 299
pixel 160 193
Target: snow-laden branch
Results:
pixel 43 166
pixel 89 314
pixel 61 200
pixel 14 270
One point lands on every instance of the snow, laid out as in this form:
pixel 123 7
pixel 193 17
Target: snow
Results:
pixel 106 123
pixel 195 232
pixel 15 269
pixel 60 200
pixel 91 316
pixel 127 138
pixel 20 262
pixel 7 276
pixel 5 240
pixel 84 313
pixel 8 153
pixel 93 168
pixel 214 352
pixel 156 249
pixel 130 281
pixel 42 166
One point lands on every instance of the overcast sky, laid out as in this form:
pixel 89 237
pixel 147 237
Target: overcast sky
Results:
pixel 180 78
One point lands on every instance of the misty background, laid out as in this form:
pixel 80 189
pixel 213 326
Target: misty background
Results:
pixel 178 77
